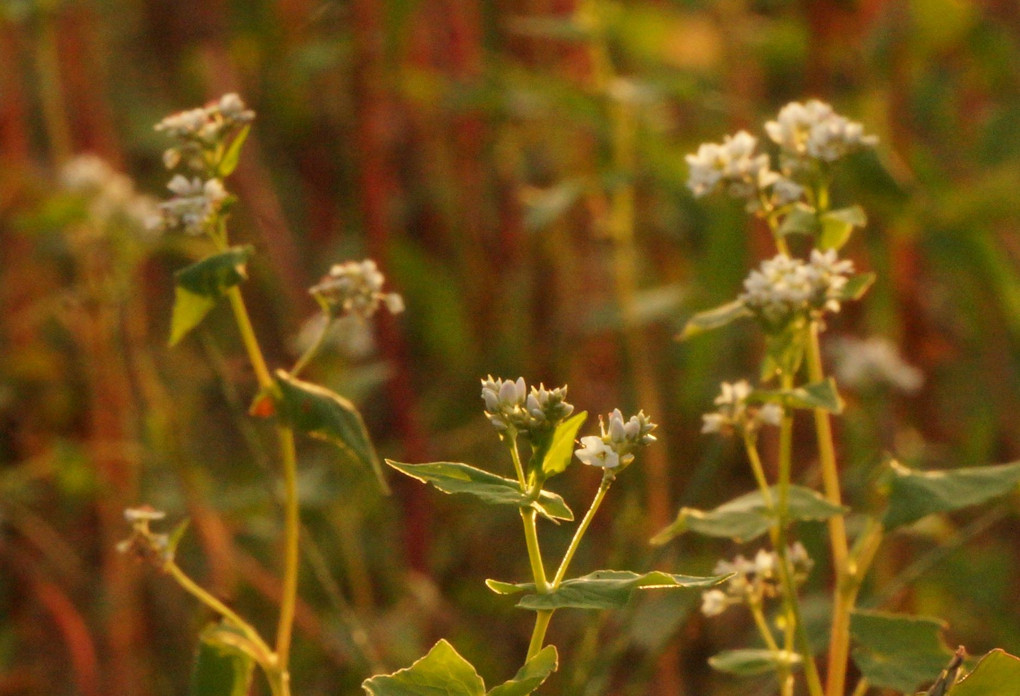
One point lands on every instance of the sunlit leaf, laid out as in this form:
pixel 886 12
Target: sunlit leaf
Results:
pixel 561 450
pixel 454 477
pixel 916 494
pixel 603 589
pixel 200 285
pixel 838 225
pixel 751 662
pixel 856 286
pixel 530 676
pixel 323 414
pixel 233 154
pixel 714 319
pixel 222 667
pixel 996 674
pixel 895 651
pixel 442 672
pixel 823 395
pixel 748 517
pixel 802 219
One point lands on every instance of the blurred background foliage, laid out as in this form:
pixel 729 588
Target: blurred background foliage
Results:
pixel 516 168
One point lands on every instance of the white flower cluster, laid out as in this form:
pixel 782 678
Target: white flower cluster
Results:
pixel 814 131
pixel 203 129
pixel 784 286
pixel 866 363
pixel 509 406
pixel 355 288
pixel 143 543
pixel 734 414
pixel 111 196
pixel 616 444
pixel 753 580
pixel 733 163
pixel 195 204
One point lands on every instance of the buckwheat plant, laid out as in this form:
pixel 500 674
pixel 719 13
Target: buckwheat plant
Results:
pixel 791 297
pixel 206 144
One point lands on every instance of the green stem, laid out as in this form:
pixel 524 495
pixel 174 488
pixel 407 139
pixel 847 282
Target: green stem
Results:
pixel 312 350
pixel 541 583
pixel 251 344
pixel 516 457
pixel 581 529
pixel 292 534
pixel 759 471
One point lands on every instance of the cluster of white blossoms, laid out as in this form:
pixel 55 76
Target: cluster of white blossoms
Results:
pixel 203 129
pixel 784 286
pixel 110 195
pixel 814 131
pixel 195 204
pixel 867 363
pixel 614 447
pixel 511 407
pixel 355 288
pixel 735 414
pixel 143 543
pixel 753 580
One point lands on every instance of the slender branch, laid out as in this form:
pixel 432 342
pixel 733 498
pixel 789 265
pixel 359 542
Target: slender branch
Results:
pixel 292 533
pixel 581 529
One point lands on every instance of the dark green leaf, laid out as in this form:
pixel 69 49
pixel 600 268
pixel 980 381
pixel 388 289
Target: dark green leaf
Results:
pixel 823 395
pixel 442 672
pixel 997 674
pixel 747 517
pixel 233 154
pixel 801 219
pixel 530 676
pixel 222 668
pixel 200 285
pixel 856 286
pixel 714 318
pixel 603 589
pixel 896 651
pixel 751 662
pixel 916 494
pixel 838 225
pixel 454 477
pixel 561 450
pixel 323 414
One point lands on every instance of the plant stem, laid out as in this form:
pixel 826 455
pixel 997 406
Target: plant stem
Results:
pixel 292 533
pixel 759 471
pixel 311 351
pixel 581 529
pixel 541 583
pixel 251 344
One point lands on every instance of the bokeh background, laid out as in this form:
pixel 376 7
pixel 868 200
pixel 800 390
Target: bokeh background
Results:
pixel 516 168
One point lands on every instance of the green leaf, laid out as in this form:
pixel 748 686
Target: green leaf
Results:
pixel 603 589
pixel 895 651
pixel 200 285
pixel 747 517
pixel 454 477
pixel 714 319
pixel 174 540
pixel 323 414
pixel 751 662
pixel 233 154
pixel 561 450
pixel 838 225
pixel 442 672
pixel 530 676
pixel 544 207
pixel 996 674
pixel 916 494
pixel 823 395
pixel 802 219
pixel 784 350
pixel 856 286
pixel 222 666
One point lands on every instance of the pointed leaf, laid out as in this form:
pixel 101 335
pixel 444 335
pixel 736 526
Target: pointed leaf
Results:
pixel 442 672
pixel 714 318
pixel 561 451
pixel 896 651
pixel 454 477
pixel 802 219
pixel 530 676
pixel 233 154
pixel 603 589
pixel 323 414
pixel 750 662
pixel 174 540
pixel 221 667
pixel 996 674
pixel 823 395
pixel 915 494
pixel 200 285
pixel 856 286
pixel 747 517
pixel 838 225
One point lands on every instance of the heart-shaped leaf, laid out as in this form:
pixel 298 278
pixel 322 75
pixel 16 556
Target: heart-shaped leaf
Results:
pixel 199 286
pixel 530 676
pixel 838 225
pixel 856 286
pixel 996 674
pixel 442 672
pixel 222 665
pixel 823 395
pixel 802 219
pixel 896 651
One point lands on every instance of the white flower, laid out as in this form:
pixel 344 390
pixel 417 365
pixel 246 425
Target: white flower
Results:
pixel 765 563
pixel 596 452
pixel 111 196
pixel 713 602
pixel 862 364
pixel 355 288
pixel 783 286
pixel 533 414
pixel 733 163
pixel 733 412
pixel 195 204
pixel 814 130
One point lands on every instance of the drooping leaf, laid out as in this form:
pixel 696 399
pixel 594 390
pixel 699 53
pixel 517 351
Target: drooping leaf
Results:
pixel 916 494
pixel 802 219
pixel 603 589
pixel 561 450
pixel 442 672
pixel 530 676
pixel 751 662
pixel 233 154
pixel 996 674
pixel 222 667
pixel 323 414
pixel 454 477
pixel 838 225
pixel 896 651
pixel 747 517
pixel 714 319
pixel 823 395
pixel 856 286
pixel 199 286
